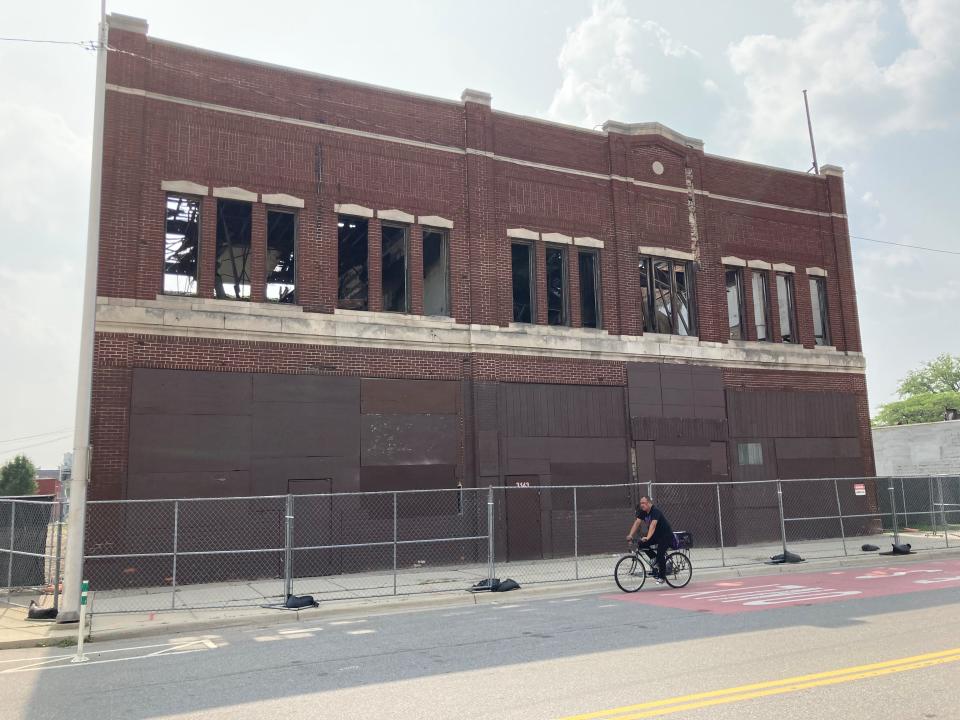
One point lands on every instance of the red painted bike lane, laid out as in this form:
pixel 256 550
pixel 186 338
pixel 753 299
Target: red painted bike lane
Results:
pixel 764 593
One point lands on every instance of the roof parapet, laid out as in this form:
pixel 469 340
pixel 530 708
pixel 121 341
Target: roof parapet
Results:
pixel 476 96
pixel 834 170
pixel 127 22
pixel 652 128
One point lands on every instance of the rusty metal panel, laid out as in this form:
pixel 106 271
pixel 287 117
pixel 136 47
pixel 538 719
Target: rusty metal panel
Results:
pixel 409 439
pixel 567 450
pixel 676 377
pixel 320 389
pixel 774 413
pixel 409 397
pixel 718 458
pixel 157 485
pixel 704 429
pixel 270 476
pixel 799 448
pixel 699 452
pixel 378 478
pixel 190 392
pixel 305 429
pixel 535 410
pixel 706 378
pixel 646 462
pixel 488 452
pixel 189 443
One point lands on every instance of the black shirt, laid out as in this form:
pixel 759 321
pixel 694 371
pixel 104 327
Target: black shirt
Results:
pixel 663 532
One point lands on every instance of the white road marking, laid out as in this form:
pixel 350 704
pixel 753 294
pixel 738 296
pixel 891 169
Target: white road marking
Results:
pixel 165 649
pixel 299 631
pixel 266 638
pixel 505 607
pixel 347 622
pixel 360 632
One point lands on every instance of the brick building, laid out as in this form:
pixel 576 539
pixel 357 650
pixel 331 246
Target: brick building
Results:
pixel 311 284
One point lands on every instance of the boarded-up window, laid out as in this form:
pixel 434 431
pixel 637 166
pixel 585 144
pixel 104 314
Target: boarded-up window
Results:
pixel 436 288
pixel 232 279
pixel 281 256
pixel 521 258
pixel 352 254
pixel 181 245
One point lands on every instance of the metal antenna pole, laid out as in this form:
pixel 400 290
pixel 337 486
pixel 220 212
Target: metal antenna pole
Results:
pixel 813 148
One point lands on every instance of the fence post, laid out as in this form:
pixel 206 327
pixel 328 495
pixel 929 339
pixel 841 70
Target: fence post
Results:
pixel 176 526
pixel 843 535
pixel 943 517
pixel 394 543
pixel 288 549
pixel 491 563
pixel 723 559
pixel 903 496
pixel 59 541
pixel 783 524
pixel 893 511
pixel 13 525
pixel 576 547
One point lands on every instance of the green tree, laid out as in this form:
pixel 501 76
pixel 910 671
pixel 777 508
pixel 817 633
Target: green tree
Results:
pixel 924 393
pixel 18 477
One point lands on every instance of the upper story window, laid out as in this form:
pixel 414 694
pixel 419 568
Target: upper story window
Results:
pixel 232 277
pixel 436 272
pixel 785 302
pixel 352 251
pixel 556 271
pixel 281 256
pixel 181 245
pixel 666 292
pixel 734 279
pixel 522 272
pixel 761 304
pixel 589 271
pixel 394 267
pixel 818 299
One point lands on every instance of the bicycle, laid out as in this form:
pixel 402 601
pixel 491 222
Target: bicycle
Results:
pixel 632 569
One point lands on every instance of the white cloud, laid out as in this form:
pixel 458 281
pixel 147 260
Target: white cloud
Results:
pixel 711 86
pixel 607 61
pixel 854 94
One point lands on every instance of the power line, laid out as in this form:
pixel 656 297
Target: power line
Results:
pixel 86 44
pixel 906 245
pixel 34 445
pixel 38 435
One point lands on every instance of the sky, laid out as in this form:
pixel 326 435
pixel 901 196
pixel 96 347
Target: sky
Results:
pixel 883 80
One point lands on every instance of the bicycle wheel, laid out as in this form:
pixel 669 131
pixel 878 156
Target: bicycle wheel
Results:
pixel 680 570
pixel 630 573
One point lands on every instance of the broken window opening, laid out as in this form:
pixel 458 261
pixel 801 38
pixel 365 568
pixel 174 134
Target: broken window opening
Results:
pixel 589 266
pixel 521 255
pixel 818 298
pixel 181 245
pixel 352 255
pixel 556 266
pixel 281 256
pixel 735 303
pixel 761 304
pixel 436 289
pixel 667 297
pixel 785 302
pixel 394 268
pixel 232 280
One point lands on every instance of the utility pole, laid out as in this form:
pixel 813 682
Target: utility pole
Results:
pixel 73 564
pixel 813 149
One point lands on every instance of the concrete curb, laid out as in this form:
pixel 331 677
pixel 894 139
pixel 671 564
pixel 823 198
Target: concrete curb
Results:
pixel 337 609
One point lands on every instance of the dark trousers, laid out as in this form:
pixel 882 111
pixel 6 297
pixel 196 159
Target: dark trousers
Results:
pixel 657 550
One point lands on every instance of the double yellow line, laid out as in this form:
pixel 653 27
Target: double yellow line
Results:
pixel 696 701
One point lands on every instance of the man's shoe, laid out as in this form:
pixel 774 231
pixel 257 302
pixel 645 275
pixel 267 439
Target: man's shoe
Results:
pixel 658 580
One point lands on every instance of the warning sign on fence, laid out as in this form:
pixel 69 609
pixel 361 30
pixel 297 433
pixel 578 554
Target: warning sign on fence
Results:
pixel 859 489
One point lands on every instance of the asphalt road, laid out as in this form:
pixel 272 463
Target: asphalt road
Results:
pixel 787 647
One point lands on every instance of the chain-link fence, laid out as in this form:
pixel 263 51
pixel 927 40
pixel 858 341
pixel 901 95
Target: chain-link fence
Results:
pixel 153 555
pixel 32 544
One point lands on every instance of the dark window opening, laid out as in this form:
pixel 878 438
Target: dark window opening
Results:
pixel 735 303
pixel 556 266
pixel 818 298
pixel 521 255
pixel 394 268
pixel 750 453
pixel 181 246
pixel 589 266
pixel 666 292
pixel 281 256
pixel 436 289
pixel 232 280
pixel 761 303
pixel 352 252
pixel 788 325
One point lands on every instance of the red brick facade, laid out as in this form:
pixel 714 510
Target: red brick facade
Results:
pixel 180 114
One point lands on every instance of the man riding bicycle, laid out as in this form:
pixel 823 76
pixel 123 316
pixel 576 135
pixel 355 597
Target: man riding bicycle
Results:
pixel 659 533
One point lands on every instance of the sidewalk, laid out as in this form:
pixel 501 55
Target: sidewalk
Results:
pixel 18 632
